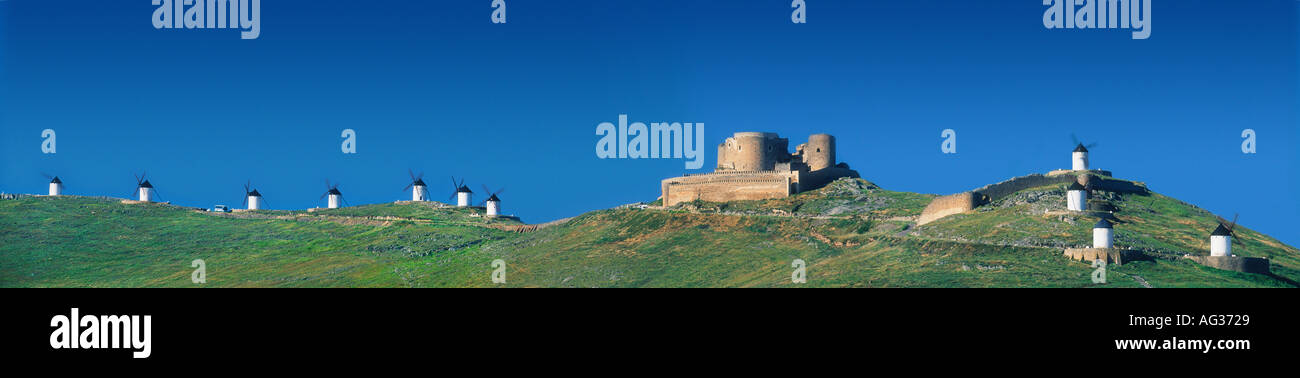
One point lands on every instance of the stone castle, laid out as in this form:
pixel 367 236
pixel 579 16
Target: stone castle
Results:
pixel 757 165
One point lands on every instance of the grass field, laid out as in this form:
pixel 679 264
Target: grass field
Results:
pixel 850 234
pixel 78 241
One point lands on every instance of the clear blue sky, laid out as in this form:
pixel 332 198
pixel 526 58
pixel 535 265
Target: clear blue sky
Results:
pixel 436 87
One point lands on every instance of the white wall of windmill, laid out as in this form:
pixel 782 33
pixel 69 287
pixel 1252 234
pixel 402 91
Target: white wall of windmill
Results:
pixel 146 194
pixel 1220 245
pixel 334 200
pixel 1079 161
pixel 493 208
pixel 462 199
pixel 419 193
pixel 1077 200
pixel 56 189
pixel 254 202
pixel 1103 238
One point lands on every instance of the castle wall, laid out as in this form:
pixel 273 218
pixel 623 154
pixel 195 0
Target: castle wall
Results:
pixel 757 165
pixel 816 179
pixel 1000 190
pixel 956 203
pixel 723 187
pixel 948 205
pixel 1113 185
pixel 1092 182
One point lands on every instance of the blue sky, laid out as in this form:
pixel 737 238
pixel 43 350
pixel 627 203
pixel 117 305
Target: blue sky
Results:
pixel 436 87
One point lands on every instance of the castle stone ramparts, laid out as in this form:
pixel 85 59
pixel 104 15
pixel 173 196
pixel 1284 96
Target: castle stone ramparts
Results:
pixel 962 202
pixel 948 205
pixel 758 165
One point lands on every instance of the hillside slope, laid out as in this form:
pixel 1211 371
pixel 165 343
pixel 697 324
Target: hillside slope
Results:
pixel 850 234
pixel 82 241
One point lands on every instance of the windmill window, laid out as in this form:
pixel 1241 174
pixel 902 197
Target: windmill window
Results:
pixel 819 149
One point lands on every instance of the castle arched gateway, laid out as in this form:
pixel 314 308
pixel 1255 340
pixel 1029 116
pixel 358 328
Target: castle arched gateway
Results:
pixel 759 165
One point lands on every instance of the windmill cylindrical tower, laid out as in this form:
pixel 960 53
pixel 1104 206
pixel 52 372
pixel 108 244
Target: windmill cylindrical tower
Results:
pixel 419 192
pixel 463 196
pixel 56 187
pixel 254 200
pixel 335 197
pixel 493 206
pixel 1079 158
pixel 1103 235
pixel 1076 197
pixel 1221 242
pixel 146 192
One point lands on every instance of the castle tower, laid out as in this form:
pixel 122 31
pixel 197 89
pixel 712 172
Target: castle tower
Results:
pixel 1079 158
pixel 1077 197
pixel 819 152
pixel 758 165
pixel 751 151
pixel 493 206
pixel 1103 236
pixel 1221 241
pixel 56 186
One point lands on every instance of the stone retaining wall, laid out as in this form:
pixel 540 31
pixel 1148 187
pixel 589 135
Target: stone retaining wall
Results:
pixel 1109 255
pixel 1234 263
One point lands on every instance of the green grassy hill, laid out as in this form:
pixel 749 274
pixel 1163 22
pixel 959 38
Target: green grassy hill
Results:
pixel 850 234
pixel 81 241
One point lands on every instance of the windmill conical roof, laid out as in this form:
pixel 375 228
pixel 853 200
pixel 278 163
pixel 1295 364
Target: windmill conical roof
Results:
pixel 335 191
pixel 1221 231
pixel 418 182
pixel 1103 223
pixel 254 193
pixel 464 189
pixel 146 184
pixel 1080 148
pixel 494 198
pixel 56 180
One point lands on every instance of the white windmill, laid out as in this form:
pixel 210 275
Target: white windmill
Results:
pixel 419 191
pixel 335 196
pixel 493 202
pixel 1103 234
pixel 461 194
pixel 144 190
pixel 56 186
pixel 1079 157
pixel 1222 237
pixel 1076 197
pixel 252 198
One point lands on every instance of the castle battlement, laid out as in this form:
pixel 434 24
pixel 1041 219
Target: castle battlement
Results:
pixel 966 201
pixel 759 165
